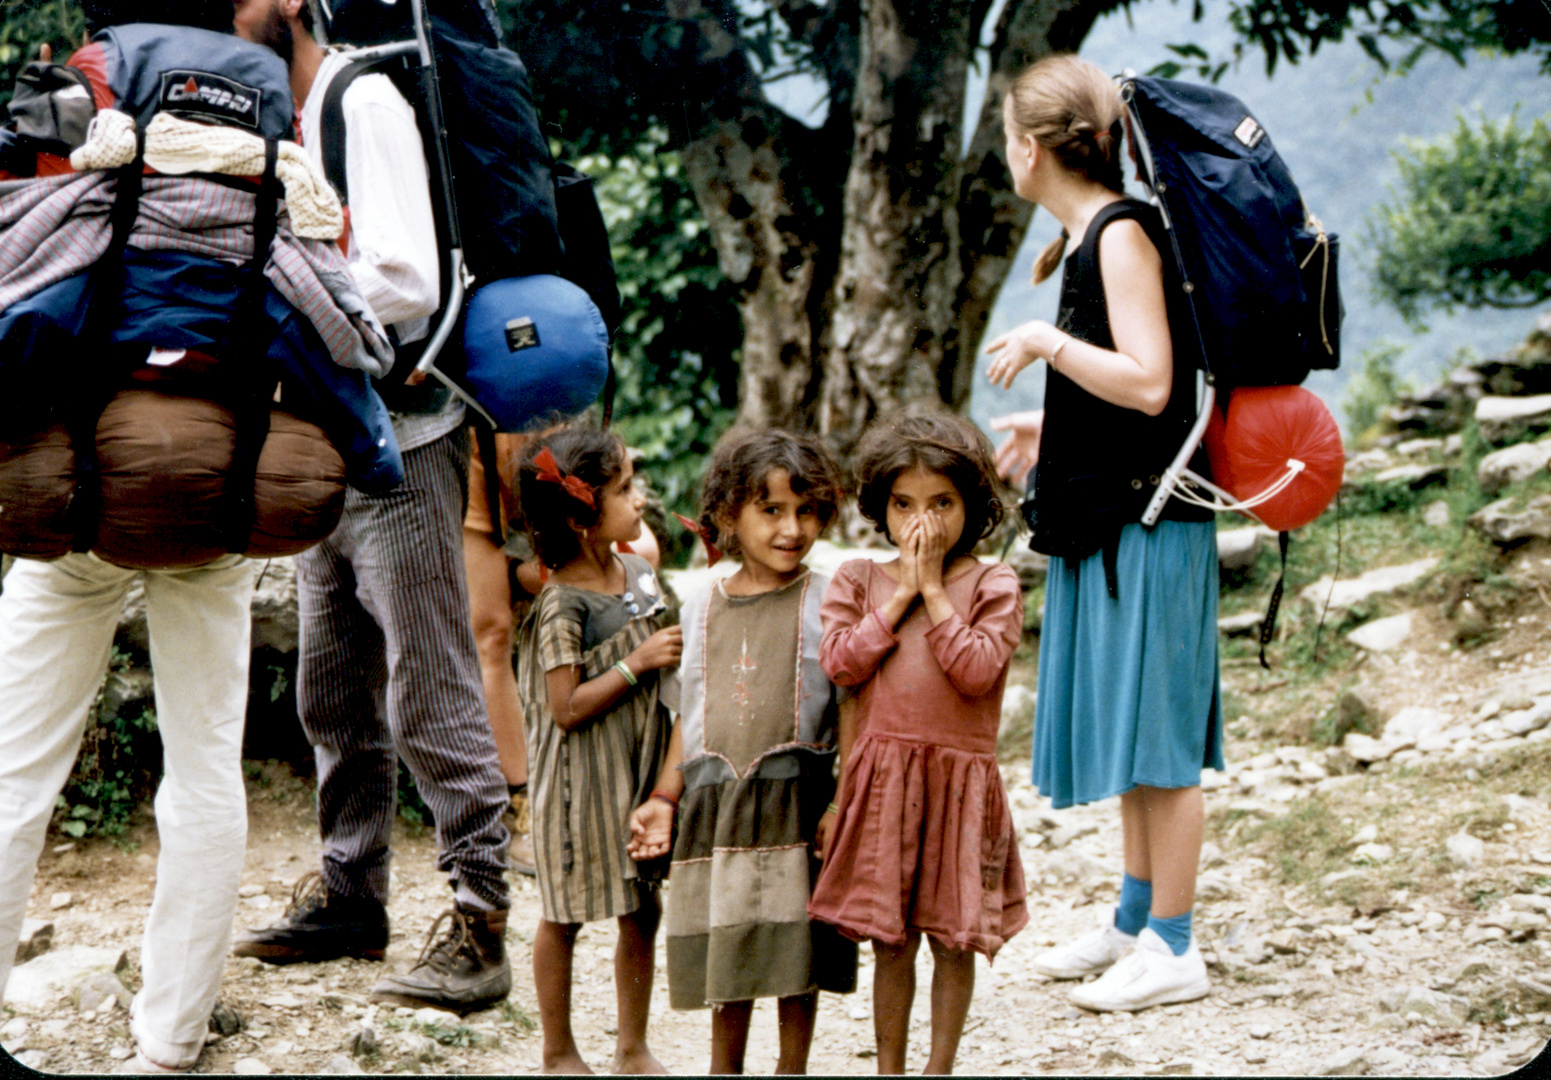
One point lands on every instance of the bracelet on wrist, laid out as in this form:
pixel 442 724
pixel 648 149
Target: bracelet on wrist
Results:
pixel 665 797
pixel 1055 352
pixel 624 669
pixel 832 809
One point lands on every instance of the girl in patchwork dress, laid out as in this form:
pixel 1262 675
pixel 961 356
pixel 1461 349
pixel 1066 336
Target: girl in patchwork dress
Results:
pixel 596 732
pixel 924 841
pixel 750 765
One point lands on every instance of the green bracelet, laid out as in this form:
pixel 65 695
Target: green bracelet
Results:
pixel 624 669
pixel 833 809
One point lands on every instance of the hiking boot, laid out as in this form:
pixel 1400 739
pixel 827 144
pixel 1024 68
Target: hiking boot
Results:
pixel 318 926
pixel 518 821
pixel 462 968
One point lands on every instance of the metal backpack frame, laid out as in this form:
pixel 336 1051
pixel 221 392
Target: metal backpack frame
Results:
pixel 455 276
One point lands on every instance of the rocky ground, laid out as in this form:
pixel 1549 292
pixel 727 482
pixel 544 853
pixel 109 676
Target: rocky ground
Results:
pixel 1387 917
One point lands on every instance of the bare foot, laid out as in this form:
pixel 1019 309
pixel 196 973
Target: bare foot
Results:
pixel 566 1065
pixel 637 1063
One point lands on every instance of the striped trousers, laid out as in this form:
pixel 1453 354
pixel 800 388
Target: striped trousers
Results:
pixel 388 670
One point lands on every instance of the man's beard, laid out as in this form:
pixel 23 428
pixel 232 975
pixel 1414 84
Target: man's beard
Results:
pixel 276 33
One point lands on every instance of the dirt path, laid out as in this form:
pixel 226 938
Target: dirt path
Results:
pixel 1299 981
pixel 1383 919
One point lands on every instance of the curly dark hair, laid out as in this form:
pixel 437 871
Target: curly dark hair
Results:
pixel 551 515
pixel 938 442
pixel 744 459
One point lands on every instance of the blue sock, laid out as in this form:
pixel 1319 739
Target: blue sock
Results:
pixel 1135 902
pixel 1175 931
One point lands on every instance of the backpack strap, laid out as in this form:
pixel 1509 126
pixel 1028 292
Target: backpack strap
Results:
pixel 331 123
pixel 484 438
pixel 332 132
pixel 102 317
pixel 248 347
pixel 1268 624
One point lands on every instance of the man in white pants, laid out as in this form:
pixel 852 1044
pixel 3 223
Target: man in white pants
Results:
pixel 57 621
pixel 56 633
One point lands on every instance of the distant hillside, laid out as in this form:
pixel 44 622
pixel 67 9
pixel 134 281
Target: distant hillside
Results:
pixel 1338 144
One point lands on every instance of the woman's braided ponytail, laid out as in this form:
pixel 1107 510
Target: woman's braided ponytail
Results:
pixel 1073 109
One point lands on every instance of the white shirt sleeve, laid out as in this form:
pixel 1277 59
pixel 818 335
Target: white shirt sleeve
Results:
pixel 392 232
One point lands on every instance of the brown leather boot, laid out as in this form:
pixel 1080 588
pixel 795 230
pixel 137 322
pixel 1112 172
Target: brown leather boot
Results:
pixel 462 968
pixel 319 926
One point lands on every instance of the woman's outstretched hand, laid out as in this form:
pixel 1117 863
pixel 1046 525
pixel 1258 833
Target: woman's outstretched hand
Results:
pixel 1018 348
pixel 1019 452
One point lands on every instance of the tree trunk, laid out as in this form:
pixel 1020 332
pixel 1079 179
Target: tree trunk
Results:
pixel 868 253
pixel 899 261
pixel 927 232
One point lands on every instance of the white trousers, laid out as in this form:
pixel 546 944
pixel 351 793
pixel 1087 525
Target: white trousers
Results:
pixel 56 630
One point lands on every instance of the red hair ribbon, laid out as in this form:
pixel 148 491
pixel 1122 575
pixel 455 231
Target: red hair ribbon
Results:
pixel 575 486
pixel 712 552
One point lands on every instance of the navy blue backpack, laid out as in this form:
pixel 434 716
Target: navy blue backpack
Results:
pixel 1259 268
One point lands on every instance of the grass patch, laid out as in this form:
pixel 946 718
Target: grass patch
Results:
pixel 1033 608
pixel 1304 844
pixel 1254 978
pixel 518 1017
pixel 455 1035
pixel 1526 772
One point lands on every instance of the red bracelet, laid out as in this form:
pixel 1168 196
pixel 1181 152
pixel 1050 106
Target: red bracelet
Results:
pixel 665 797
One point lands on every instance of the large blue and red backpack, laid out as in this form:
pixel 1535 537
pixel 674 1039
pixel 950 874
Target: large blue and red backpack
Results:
pixel 154 468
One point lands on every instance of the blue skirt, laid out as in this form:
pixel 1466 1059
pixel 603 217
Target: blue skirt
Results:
pixel 1129 691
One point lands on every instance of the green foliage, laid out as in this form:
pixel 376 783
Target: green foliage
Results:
pixel 451 1034
pixel 1372 390
pixel 119 764
pixel 518 1017
pixel 1471 222
pixel 677 347
pixel 26 24
pixel 412 807
pixel 1291 29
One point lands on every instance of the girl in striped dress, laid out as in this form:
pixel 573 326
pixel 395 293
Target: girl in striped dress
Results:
pixel 596 732
pixel 750 768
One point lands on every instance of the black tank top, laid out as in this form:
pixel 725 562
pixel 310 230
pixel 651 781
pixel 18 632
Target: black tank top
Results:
pixel 1100 463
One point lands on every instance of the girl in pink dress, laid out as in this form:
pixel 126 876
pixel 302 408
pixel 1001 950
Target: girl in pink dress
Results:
pixel 922 840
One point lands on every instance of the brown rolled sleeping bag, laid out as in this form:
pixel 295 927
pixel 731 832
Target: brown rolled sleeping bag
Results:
pixel 163 460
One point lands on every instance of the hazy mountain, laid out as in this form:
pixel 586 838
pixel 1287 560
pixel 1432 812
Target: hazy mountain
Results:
pixel 1336 119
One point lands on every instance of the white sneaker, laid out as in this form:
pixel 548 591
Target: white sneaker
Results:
pixel 1150 974
pixel 1088 955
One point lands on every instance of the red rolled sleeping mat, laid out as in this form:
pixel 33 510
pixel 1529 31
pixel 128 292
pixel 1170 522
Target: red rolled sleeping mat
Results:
pixel 163 460
pixel 1265 428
